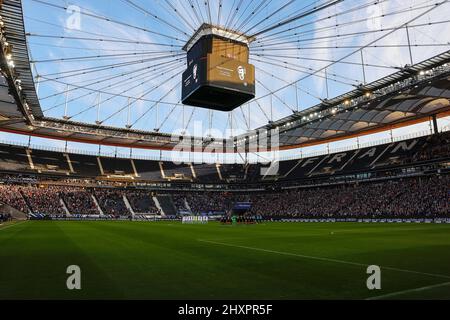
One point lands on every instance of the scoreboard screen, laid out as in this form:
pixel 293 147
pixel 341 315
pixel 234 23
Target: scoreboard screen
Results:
pixel 218 75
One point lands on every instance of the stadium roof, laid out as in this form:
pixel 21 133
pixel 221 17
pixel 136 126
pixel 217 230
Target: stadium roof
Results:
pixel 412 94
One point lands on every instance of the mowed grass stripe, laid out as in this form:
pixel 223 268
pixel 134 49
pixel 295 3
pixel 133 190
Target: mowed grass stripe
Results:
pixel 34 261
pixel 325 259
pixel 180 268
pixel 163 260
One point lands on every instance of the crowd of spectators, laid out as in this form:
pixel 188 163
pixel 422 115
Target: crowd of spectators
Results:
pixel 180 202
pixel 142 202
pixel 419 197
pixel 5 217
pixel 408 198
pixel 43 200
pixel 78 201
pixel 10 195
pixel 111 202
pixel 208 201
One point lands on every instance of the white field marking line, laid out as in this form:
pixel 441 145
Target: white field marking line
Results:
pixel 325 259
pixel 375 230
pixel 421 228
pixel 12 225
pixel 398 293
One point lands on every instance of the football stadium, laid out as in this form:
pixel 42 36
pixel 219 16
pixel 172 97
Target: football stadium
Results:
pixel 225 150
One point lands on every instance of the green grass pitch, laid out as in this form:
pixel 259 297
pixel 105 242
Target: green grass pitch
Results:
pixel 168 260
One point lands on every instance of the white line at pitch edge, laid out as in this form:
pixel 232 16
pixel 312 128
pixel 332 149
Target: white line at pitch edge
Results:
pixel 398 293
pixel 13 225
pixel 324 259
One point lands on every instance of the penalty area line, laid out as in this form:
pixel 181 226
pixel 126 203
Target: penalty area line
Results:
pixel 324 259
pixel 399 293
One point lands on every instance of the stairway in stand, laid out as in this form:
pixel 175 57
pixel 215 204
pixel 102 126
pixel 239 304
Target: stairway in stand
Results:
pixel 166 204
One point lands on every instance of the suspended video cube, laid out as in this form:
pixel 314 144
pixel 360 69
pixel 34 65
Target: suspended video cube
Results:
pixel 218 75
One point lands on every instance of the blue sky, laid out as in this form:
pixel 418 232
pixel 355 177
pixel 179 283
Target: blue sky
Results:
pixel 148 50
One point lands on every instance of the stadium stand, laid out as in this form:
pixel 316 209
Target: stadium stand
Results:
pixel 5 217
pixel 10 195
pixel 174 171
pixel 14 159
pixel 148 170
pixel 417 197
pixel 43 161
pixel 399 179
pixel 233 172
pixel 207 172
pixel 426 197
pixel 142 202
pixel 84 165
pixel 166 204
pixel 209 202
pixel 79 201
pixel 111 202
pixel 42 200
pixel 181 204
pixel 116 167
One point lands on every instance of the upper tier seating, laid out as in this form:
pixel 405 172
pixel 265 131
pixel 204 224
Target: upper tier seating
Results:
pixel 23 160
